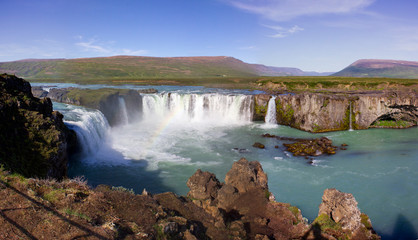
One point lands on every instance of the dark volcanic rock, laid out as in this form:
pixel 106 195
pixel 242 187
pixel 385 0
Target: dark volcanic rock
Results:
pixel 258 145
pixel 203 185
pixel 245 175
pixel 34 139
pixel 148 90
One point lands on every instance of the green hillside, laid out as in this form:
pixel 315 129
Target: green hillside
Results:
pixel 126 67
pixel 381 68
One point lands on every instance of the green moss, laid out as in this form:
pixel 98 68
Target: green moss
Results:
pixel 260 112
pixel 285 114
pixel 365 221
pixel 326 223
pixel 392 124
pixel 325 104
pixel 72 212
pixel 267 194
pixel 54 195
pixel 123 189
pixel 92 97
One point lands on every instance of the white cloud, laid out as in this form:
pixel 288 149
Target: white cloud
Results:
pixel 95 46
pixel 132 52
pixel 284 10
pixel 91 47
pixel 282 32
pixel 248 48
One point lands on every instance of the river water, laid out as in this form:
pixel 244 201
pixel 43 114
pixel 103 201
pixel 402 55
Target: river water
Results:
pixel 184 129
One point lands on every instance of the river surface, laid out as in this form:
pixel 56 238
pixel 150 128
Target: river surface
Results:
pixel 193 128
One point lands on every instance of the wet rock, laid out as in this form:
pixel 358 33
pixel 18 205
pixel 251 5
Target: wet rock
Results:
pixel 258 145
pixel 315 147
pixel 148 91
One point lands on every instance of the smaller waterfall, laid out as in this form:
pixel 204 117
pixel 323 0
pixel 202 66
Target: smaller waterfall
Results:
pixel 271 111
pixel 91 128
pixel 123 111
pixel 350 121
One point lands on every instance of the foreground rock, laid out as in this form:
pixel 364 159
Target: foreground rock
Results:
pixel 240 208
pixel 34 140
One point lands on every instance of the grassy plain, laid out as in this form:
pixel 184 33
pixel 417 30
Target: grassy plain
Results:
pixel 288 83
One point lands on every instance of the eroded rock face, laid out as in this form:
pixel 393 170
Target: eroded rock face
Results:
pixel 342 208
pixel 318 112
pixel 34 140
pixel 203 185
pixel 245 208
pixel 119 106
pixel 245 175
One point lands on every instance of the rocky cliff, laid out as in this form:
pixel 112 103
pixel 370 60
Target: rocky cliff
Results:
pixel 320 112
pixel 115 104
pixel 34 140
pixel 240 208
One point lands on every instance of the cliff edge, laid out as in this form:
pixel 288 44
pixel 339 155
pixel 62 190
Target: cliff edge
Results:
pixel 34 140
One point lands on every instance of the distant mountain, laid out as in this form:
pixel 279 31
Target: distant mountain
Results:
pixel 131 67
pixel 380 68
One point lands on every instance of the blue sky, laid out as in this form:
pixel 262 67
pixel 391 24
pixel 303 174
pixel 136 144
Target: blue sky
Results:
pixel 314 35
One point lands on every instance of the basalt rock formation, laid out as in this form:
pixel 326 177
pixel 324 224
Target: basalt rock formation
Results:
pixel 320 112
pixel 34 140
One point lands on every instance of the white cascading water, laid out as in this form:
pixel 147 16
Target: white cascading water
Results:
pixel 123 111
pixel 350 128
pixel 91 128
pixel 271 111
pixel 213 108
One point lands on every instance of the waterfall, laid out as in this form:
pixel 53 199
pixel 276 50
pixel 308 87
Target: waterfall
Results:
pixel 123 111
pixel 91 128
pixel 213 108
pixel 271 111
pixel 350 121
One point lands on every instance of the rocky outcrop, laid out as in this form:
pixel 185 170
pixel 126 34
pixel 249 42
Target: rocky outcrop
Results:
pixel 34 140
pixel 393 107
pixel 314 147
pixel 240 208
pixel 118 105
pixel 319 112
pixel 260 106
pixel 342 209
pixel 244 207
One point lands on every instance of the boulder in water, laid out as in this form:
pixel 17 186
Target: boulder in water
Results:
pixel 258 145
